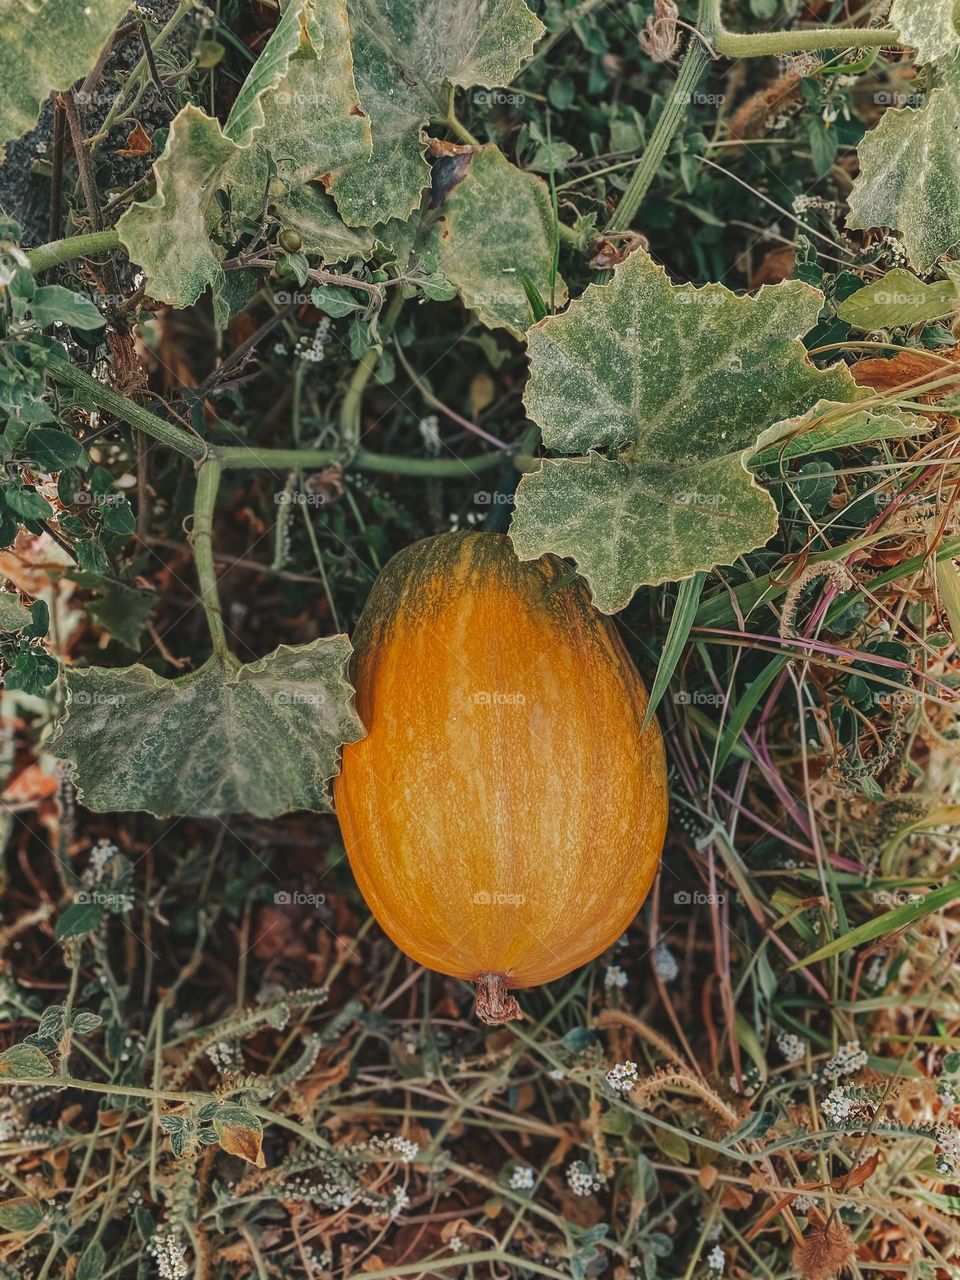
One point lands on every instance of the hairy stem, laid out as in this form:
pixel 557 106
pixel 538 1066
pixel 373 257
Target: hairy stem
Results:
pixel 66 374
pixel 243 457
pixel 694 64
pixel 208 483
pixel 732 44
pixel 85 246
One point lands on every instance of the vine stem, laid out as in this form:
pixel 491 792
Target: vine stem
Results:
pixel 51 255
pixel 710 33
pixel 694 64
pixel 254 458
pixel 733 44
pixel 208 484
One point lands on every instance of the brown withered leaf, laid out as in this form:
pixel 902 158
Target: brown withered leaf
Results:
pixel 607 252
pixel 909 367
pixel 138 143
pixel 240 1133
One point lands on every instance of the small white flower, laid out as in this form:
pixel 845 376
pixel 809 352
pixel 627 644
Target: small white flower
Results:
pixel 615 977
pixel 522 1178
pixel 581 1179
pixel 793 1048
pixel 622 1077
pixel 170 1257
pixel 848 1059
pixel 664 963
pixel 837 1106
pixel 716 1260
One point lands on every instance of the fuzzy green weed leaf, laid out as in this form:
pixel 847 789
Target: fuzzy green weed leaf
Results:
pixel 24 1062
pixel 677 383
pixel 262 738
pixel 20 1216
pixel 13 615
pixel 240 1133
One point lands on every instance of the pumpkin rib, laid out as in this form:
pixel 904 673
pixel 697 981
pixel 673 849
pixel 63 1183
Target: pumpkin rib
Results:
pixel 504 816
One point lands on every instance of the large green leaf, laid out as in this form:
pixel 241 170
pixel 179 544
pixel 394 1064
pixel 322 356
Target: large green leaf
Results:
pixel 45 46
pixel 677 383
pixel 497 224
pixel 299 107
pixel 931 26
pixel 263 738
pixel 406 55
pixel 910 175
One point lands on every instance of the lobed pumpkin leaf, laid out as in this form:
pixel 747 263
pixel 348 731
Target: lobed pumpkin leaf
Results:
pixel 260 738
pixel 47 46
pixel 299 106
pixel 931 26
pixel 497 228
pixel 677 383
pixel 910 175
pixel 405 56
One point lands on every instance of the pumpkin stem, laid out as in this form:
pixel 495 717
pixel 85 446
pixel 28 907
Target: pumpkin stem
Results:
pixel 494 1003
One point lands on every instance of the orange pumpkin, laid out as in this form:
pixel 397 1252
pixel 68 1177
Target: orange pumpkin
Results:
pixel 504 815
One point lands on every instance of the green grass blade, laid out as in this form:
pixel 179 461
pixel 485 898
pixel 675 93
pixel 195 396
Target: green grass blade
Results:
pixel 889 922
pixel 688 601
